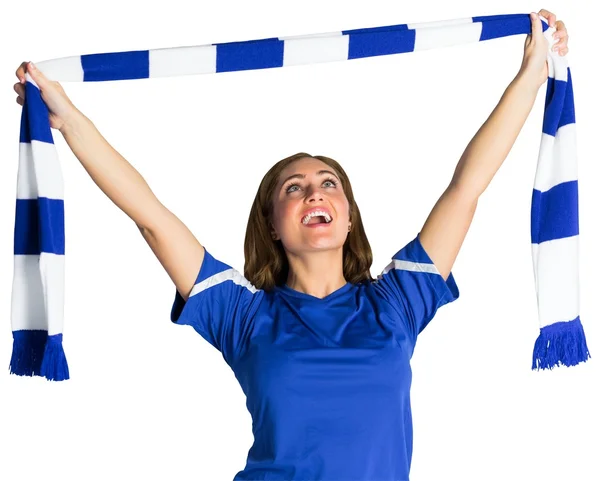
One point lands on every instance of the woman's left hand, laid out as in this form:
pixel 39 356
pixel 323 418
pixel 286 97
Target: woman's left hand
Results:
pixel 535 59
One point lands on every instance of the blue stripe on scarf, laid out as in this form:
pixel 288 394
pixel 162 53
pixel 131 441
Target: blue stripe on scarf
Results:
pixel 34 121
pixel 373 42
pixel 35 215
pixel 560 106
pixel 554 213
pixel 498 26
pixel 100 67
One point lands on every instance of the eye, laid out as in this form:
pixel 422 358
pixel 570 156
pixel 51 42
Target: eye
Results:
pixel 289 186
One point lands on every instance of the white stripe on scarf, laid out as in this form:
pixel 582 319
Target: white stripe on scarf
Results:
pixel 38 286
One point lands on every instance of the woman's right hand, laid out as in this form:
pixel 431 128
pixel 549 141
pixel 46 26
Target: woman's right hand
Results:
pixel 60 107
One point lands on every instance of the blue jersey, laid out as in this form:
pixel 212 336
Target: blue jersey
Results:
pixel 327 381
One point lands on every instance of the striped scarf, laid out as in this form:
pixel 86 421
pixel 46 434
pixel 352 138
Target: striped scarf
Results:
pixel 39 239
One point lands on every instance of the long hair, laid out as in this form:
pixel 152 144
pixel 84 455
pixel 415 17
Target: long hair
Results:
pixel 266 263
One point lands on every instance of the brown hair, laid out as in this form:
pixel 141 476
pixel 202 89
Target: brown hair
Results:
pixel 266 262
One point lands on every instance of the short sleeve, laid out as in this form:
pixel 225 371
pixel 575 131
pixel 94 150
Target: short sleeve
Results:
pixel 412 283
pixel 220 306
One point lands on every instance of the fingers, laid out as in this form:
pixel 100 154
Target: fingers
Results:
pixel 23 69
pixel 563 40
pixel 548 15
pixel 20 73
pixel 19 87
pixel 560 34
pixel 26 68
pixel 561 31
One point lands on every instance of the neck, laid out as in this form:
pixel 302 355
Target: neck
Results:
pixel 316 273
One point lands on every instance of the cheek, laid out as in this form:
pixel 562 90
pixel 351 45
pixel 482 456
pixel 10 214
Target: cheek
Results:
pixel 290 214
pixel 283 214
pixel 343 206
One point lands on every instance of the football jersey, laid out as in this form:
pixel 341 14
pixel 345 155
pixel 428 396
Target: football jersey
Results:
pixel 327 380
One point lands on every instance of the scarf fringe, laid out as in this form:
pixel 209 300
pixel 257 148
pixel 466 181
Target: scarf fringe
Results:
pixel 54 365
pixel 561 343
pixel 37 354
pixel 28 352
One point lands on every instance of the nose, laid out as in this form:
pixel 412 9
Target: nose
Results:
pixel 315 194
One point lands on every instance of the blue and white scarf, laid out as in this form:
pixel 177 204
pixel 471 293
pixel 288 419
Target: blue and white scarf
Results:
pixel 39 242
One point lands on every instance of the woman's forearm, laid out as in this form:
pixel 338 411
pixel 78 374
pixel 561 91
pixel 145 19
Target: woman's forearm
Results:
pixel 491 144
pixel 116 177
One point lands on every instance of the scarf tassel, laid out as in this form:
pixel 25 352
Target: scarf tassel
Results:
pixel 560 343
pixel 37 354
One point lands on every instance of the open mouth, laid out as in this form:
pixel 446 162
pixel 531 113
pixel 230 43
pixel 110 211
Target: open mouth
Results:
pixel 317 220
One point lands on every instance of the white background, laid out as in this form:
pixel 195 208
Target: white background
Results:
pixel 150 400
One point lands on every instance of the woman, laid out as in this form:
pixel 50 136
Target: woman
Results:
pixel 321 350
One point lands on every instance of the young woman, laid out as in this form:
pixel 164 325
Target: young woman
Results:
pixel 321 349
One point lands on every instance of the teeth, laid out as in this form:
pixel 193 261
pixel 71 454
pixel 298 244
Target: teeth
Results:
pixel 313 214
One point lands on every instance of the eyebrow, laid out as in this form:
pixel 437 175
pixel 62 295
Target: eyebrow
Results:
pixel 302 176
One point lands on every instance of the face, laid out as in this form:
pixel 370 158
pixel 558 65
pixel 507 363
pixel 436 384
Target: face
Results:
pixel 311 189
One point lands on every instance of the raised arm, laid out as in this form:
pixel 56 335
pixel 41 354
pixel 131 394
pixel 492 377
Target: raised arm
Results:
pixel 446 226
pixel 174 245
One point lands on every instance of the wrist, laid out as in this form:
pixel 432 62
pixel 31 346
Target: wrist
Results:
pixel 525 81
pixel 71 122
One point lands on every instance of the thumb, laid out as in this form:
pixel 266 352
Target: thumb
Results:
pixel 536 25
pixel 36 75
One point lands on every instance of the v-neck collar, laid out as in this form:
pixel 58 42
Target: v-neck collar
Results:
pixel 308 297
